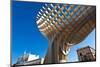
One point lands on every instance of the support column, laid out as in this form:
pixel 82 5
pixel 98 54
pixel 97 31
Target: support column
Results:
pixel 57 53
pixel 63 52
pixel 52 55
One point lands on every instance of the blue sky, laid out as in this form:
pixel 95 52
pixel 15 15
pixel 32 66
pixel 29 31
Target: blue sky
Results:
pixel 27 37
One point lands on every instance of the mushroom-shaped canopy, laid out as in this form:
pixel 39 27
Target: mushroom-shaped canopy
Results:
pixel 70 22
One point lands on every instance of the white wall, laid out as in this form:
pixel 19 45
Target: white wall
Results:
pixel 33 57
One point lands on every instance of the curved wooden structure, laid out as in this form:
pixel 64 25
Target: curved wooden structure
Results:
pixel 65 25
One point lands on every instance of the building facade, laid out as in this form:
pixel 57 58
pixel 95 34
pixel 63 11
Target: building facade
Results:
pixel 86 54
pixel 28 59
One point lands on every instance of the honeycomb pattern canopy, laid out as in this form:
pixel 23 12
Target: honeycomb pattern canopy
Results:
pixel 69 23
